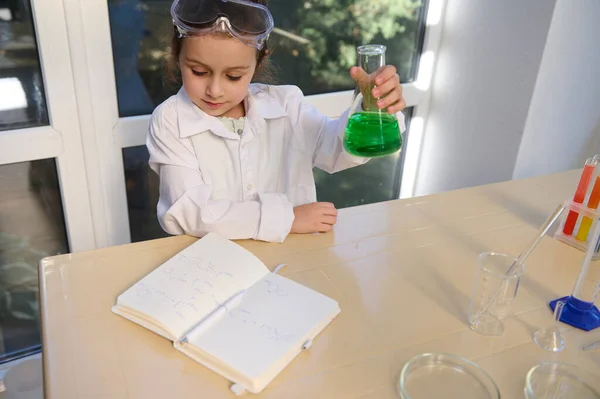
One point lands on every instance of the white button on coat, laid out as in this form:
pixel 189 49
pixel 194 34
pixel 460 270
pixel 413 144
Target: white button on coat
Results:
pixel 204 168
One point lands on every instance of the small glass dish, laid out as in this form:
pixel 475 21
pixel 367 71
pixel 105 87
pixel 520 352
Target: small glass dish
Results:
pixel 553 380
pixel 440 375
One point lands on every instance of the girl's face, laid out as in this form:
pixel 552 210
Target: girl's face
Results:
pixel 216 71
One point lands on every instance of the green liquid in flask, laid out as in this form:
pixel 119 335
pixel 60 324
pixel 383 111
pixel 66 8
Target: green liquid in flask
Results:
pixel 372 134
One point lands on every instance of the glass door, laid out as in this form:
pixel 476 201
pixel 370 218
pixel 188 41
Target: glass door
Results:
pixel 44 208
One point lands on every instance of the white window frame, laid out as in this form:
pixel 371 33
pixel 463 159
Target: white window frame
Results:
pixel 422 85
pixel 105 134
pixel 60 139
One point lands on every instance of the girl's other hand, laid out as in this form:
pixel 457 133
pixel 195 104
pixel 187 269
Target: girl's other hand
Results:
pixel 316 217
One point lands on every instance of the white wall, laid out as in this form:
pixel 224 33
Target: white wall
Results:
pixel 563 125
pixel 484 79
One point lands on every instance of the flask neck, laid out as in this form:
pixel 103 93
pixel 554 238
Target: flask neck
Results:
pixel 371 57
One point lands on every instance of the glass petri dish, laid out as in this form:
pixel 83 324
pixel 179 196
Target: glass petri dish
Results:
pixel 554 380
pixel 441 375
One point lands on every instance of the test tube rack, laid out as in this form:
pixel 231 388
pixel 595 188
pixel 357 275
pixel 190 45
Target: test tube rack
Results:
pixel 582 211
pixel 576 239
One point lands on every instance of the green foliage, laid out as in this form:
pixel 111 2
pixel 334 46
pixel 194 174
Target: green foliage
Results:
pixel 334 28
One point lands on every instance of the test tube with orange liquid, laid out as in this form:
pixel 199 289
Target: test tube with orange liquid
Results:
pixel 582 187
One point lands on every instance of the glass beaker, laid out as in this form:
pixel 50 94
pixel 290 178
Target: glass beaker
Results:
pixel 493 293
pixel 371 132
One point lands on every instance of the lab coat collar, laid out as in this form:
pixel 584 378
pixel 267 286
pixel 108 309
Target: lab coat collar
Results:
pixel 192 120
pixel 260 104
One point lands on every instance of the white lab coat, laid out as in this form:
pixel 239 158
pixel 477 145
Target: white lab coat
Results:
pixel 213 180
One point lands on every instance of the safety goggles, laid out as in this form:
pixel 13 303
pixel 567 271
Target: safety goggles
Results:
pixel 249 22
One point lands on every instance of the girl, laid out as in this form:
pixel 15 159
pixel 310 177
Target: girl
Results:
pixel 236 158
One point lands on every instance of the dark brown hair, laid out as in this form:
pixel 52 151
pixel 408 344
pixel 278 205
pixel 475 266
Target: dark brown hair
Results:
pixel 265 72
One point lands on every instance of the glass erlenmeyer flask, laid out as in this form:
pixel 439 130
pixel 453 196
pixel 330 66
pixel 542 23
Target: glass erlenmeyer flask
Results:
pixel 370 132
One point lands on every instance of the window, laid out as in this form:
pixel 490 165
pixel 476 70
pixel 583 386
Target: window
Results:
pixel 22 102
pixel 142 195
pixel 44 198
pixel 31 227
pixel 31 217
pixel 313 44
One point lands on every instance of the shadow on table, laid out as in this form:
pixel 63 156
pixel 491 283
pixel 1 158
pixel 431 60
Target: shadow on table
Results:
pixel 426 279
pixel 531 215
pixel 435 286
pixel 522 319
pixel 537 289
pixel 446 295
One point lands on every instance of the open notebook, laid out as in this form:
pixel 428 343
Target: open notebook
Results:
pixel 222 307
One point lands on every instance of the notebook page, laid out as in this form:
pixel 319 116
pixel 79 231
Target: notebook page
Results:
pixel 193 283
pixel 274 318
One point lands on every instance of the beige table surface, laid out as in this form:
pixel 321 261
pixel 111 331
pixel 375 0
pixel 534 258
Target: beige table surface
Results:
pixel 402 271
